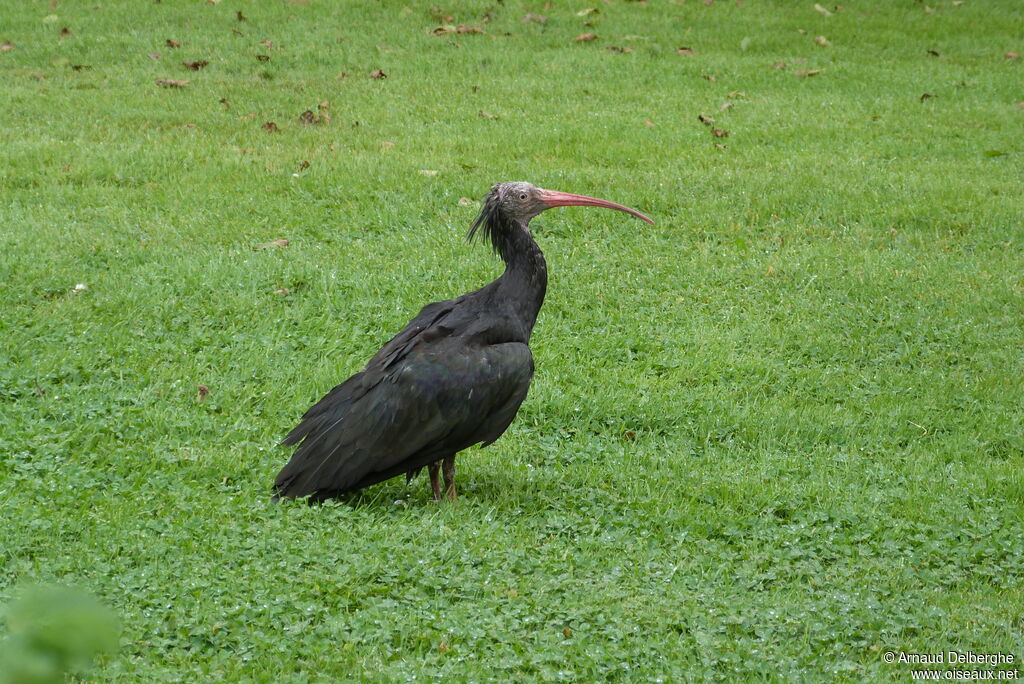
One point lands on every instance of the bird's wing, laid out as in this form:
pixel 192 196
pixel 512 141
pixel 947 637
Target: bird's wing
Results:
pixel 440 397
pixel 430 317
pixel 318 417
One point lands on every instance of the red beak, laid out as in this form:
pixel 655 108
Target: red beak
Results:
pixel 553 198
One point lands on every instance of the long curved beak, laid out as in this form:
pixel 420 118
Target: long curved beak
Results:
pixel 553 198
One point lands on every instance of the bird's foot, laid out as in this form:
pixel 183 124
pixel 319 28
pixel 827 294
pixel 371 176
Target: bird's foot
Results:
pixel 448 468
pixel 435 484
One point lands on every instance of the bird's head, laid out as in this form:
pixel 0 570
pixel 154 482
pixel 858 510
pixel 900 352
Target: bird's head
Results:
pixel 510 206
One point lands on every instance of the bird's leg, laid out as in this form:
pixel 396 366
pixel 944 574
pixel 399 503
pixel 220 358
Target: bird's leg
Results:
pixel 448 467
pixel 434 483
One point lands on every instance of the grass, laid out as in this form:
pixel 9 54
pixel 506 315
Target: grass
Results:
pixel 771 437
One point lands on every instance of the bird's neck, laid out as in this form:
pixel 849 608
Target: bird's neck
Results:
pixel 525 280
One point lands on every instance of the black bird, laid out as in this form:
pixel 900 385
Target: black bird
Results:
pixel 453 378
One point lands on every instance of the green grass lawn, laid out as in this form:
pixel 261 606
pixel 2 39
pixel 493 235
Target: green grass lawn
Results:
pixel 773 436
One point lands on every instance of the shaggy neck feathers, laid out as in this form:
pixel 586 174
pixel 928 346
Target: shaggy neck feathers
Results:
pixel 525 280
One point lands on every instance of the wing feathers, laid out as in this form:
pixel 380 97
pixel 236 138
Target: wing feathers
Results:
pixel 440 397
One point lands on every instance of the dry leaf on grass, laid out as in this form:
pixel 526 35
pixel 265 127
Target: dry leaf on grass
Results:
pixel 530 17
pixel 171 83
pixel 705 119
pixel 196 65
pixel 263 58
pixel 1011 55
pixel 719 133
pixel 6 47
pixel 378 74
pixel 309 118
pixel 689 52
pixel 821 41
pixel 203 391
pixel 585 37
pixel 446 29
pixel 804 73
pixel 172 43
pixel 271 127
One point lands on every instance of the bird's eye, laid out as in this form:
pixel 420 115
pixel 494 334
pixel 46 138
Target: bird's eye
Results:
pixel 522 196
